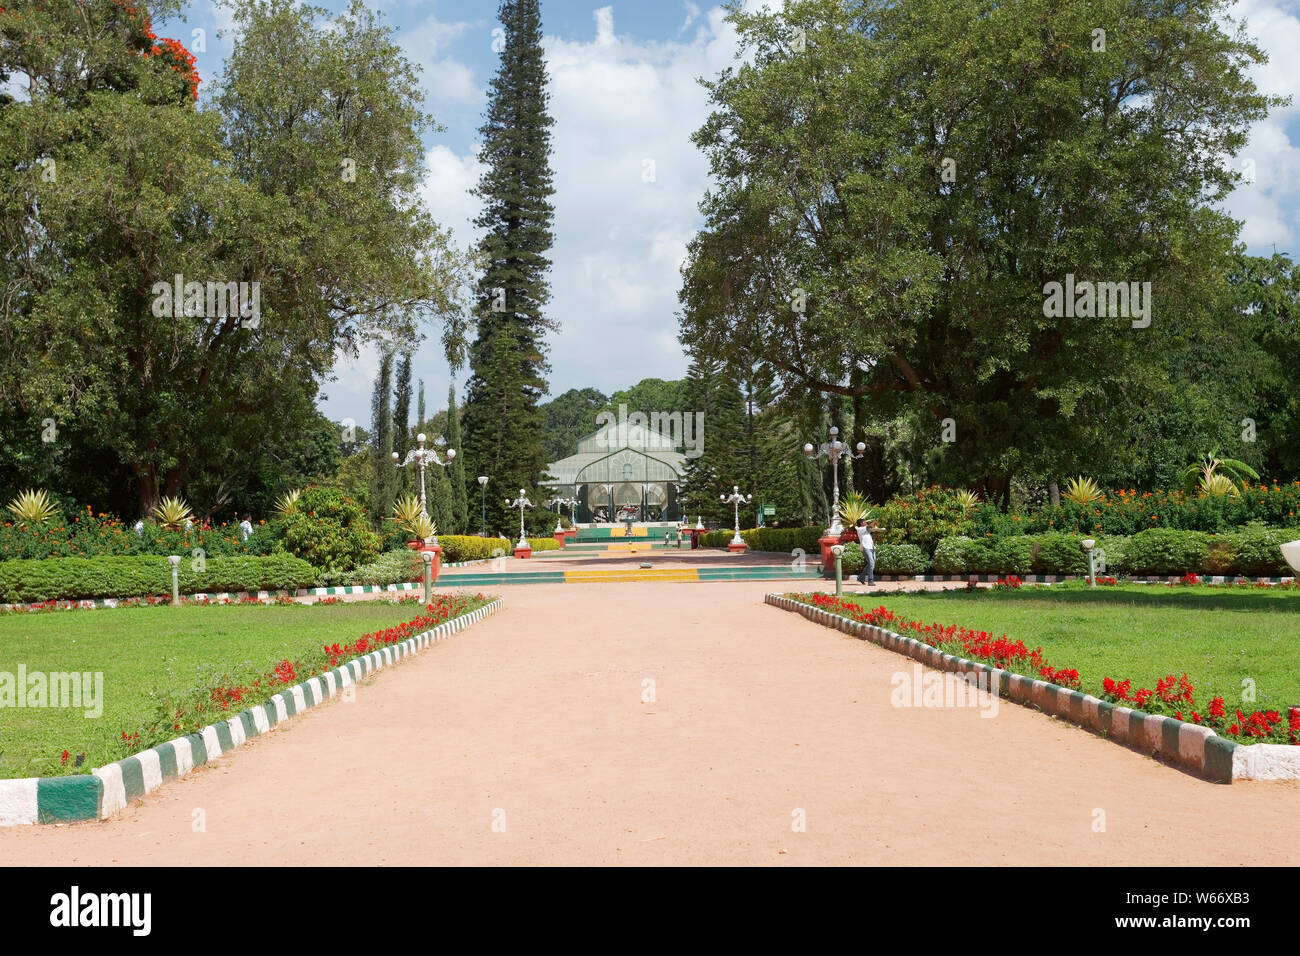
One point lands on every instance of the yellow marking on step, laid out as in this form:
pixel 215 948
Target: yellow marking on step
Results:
pixel 634 574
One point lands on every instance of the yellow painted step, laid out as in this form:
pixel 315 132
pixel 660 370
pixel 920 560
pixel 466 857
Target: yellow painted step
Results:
pixel 637 574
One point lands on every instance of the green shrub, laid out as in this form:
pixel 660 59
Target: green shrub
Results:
pixel 1010 555
pixel 139 575
pixel 777 540
pixel 950 555
pixel 392 567
pixel 901 559
pixel 1116 547
pixel 330 530
pixel 1256 551
pixel 1166 551
pixel 923 518
pixel 1059 554
pixel 465 547
pixel 1220 555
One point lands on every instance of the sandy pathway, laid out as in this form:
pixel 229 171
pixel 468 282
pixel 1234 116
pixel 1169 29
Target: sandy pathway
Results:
pixel 534 719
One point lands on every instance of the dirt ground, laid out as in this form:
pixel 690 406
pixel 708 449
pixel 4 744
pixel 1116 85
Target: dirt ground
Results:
pixel 671 724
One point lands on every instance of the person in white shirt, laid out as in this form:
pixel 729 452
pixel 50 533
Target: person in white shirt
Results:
pixel 868 542
pixel 246 526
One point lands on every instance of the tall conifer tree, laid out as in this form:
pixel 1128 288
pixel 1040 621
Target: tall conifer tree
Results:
pixel 503 425
pixel 456 470
pixel 404 482
pixel 382 473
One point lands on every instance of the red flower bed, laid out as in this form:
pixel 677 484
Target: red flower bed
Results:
pixel 1172 696
pixel 190 712
pixel 1176 697
pixel 974 645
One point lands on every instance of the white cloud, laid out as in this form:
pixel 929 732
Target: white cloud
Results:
pixel 620 233
pixel 445 191
pixel 1269 208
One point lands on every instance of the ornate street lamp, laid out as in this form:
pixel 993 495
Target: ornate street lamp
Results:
pixel 736 499
pixel 561 502
pixel 521 503
pixel 482 487
pixel 835 450
pixel 421 456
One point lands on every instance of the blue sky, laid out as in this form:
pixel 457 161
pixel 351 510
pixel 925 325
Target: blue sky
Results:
pixel 624 95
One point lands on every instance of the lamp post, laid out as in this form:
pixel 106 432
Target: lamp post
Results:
pixel 521 503
pixel 736 499
pixel 421 456
pixel 561 502
pixel 835 450
pixel 482 487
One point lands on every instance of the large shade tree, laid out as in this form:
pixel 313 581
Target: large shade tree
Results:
pixel 895 183
pixel 301 176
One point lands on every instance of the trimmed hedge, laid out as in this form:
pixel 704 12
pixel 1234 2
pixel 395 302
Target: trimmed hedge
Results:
pixel 397 566
pixel 890 559
pixel 1251 552
pixel 780 540
pixel 469 547
pixel 138 575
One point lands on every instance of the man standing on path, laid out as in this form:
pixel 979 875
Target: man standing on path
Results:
pixel 868 573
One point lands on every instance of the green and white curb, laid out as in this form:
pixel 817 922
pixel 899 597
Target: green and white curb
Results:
pixel 1190 746
pixel 110 788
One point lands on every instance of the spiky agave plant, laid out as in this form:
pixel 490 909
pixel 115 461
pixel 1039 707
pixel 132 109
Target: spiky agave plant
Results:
pixel 1083 491
pixel 853 506
pixel 172 513
pixel 405 510
pixel 286 506
pixel 1217 484
pixel 423 527
pixel 33 507
pixel 968 500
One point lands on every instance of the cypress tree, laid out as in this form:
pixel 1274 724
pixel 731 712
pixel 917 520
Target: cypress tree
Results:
pixel 724 457
pixel 419 413
pixel 502 422
pixel 382 473
pixel 404 481
pixel 456 470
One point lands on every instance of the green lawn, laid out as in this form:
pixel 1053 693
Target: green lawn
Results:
pixel 1218 637
pixel 149 649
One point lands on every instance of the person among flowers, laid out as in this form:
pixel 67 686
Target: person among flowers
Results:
pixel 246 526
pixel 866 539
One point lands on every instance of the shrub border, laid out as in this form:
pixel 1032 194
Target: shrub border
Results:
pixel 1058 578
pixel 1190 746
pixel 100 794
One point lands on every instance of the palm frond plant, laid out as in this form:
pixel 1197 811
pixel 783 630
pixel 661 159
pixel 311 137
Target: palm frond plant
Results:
pixel 172 513
pixel 287 504
pixel 853 506
pixel 33 507
pixel 1083 491
pixel 1199 475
